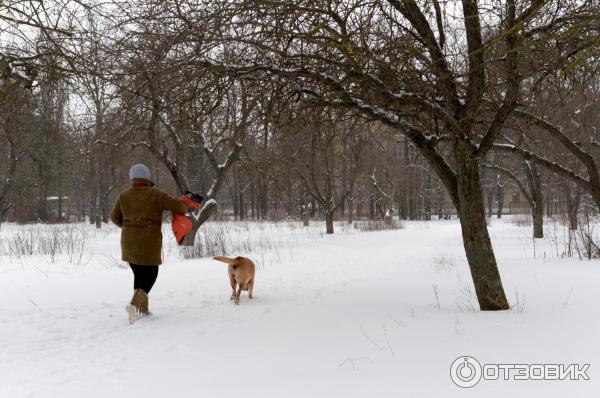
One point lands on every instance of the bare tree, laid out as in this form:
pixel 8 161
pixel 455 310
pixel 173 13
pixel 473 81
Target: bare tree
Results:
pixel 531 190
pixel 327 158
pixel 385 60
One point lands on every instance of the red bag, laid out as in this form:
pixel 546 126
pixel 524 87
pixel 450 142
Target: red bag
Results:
pixel 181 226
pixel 189 201
pixel 180 223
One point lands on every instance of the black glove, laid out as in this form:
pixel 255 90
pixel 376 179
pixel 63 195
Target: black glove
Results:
pixel 196 197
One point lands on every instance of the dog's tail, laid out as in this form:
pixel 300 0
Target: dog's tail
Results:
pixel 227 260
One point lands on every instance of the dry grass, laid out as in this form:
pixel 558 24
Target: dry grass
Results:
pixel 50 241
pixel 243 237
pixel 377 225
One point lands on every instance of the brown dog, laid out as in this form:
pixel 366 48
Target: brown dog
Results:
pixel 241 275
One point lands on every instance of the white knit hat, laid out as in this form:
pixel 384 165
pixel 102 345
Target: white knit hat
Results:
pixel 139 171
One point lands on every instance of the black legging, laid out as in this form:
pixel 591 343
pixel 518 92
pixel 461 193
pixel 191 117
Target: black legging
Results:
pixel 144 276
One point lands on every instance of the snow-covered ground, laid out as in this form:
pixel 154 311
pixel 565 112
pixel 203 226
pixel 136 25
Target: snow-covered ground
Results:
pixel 349 315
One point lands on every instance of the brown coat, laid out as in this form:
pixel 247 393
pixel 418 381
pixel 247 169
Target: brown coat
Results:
pixel 138 211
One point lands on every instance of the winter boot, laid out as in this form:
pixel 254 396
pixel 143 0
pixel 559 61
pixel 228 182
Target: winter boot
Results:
pixel 144 311
pixel 135 306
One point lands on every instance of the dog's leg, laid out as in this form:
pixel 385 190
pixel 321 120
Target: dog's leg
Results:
pixel 233 284
pixel 238 294
pixel 250 287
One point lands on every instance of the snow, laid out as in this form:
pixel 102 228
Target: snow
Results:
pixel 349 315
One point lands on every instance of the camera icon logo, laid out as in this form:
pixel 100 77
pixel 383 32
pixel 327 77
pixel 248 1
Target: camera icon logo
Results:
pixel 465 371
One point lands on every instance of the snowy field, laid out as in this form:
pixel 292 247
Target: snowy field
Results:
pixel 356 314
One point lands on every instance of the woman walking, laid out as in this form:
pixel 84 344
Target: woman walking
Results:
pixel 138 212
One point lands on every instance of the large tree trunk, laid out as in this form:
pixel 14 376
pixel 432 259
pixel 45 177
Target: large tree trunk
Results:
pixel 204 214
pixel 476 239
pixel 329 221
